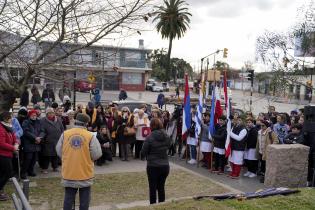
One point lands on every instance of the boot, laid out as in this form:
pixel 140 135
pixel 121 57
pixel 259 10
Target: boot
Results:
pixel 233 170
pixel 3 196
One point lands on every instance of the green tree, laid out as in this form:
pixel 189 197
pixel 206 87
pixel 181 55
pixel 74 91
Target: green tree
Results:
pixel 172 22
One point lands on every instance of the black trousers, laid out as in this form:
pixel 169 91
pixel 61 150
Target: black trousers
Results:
pixel 138 147
pixel 29 162
pixel 106 155
pixel 219 161
pixel 157 177
pixel 49 159
pixel 172 150
pixel 84 195
pixel 252 165
pixel 262 165
pixel 6 170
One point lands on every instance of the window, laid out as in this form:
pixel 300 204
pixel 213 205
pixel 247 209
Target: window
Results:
pixel 96 58
pixel 132 78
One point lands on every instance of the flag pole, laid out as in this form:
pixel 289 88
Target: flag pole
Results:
pixel 201 92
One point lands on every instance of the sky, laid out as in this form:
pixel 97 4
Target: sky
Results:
pixel 218 24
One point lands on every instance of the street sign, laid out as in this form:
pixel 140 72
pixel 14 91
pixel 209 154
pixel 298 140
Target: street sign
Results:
pixel 91 78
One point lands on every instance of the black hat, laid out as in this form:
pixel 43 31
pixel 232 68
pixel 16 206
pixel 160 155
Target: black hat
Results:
pixel 84 118
pixel 54 105
pixel 22 112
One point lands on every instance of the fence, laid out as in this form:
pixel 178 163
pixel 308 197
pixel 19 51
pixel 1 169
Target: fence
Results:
pixel 21 200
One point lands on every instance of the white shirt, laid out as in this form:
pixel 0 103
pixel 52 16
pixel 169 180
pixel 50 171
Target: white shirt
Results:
pixel 139 128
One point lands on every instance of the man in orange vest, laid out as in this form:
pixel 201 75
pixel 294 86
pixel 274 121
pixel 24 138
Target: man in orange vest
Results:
pixel 78 149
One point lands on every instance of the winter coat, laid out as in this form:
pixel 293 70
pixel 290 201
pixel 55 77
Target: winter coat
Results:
pixel 17 129
pixel 160 99
pixel 155 148
pixel 24 100
pixel 293 138
pixel 100 121
pixel 122 95
pixel 35 96
pixel 48 95
pixel 122 138
pixel 251 140
pixel 50 134
pixel 270 138
pixel 220 136
pixel 7 141
pixel 31 130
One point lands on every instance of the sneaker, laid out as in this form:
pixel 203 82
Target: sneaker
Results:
pixel 228 168
pixel 44 171
pixel 247 173
pixel 4 197
pixel 220 172
pixel 192 161
pixel 214 171
pixel 252 175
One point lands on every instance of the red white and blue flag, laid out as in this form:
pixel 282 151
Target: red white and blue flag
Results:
pixel 228 127
pixel 216 110
pixel 186 111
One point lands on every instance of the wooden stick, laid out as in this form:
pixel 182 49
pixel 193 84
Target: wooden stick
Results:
pixel 198 151
pixel 186 152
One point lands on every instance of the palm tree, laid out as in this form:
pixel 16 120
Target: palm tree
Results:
pixel 172 21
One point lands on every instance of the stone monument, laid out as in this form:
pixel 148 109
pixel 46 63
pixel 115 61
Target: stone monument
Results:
pixel 286 165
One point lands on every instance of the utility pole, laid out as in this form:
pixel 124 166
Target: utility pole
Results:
pixel 251 79
pixel 74 73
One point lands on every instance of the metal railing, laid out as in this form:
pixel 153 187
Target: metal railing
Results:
pixel 21 200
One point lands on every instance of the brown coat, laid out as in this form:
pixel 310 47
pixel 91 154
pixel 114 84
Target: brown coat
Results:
pixel 270 138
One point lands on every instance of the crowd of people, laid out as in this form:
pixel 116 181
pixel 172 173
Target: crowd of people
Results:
pixel 126 133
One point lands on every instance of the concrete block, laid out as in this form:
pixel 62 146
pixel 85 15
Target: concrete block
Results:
pixel 286 165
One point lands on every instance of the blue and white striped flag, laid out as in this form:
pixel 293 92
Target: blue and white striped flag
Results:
pixel 200 108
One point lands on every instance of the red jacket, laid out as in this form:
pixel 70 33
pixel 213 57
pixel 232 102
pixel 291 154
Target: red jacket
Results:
pixel 7 141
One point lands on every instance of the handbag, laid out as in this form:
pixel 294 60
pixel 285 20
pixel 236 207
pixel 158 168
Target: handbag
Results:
pixel 129 131
pixel 145 131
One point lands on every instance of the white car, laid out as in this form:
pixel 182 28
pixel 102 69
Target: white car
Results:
pixel 157 87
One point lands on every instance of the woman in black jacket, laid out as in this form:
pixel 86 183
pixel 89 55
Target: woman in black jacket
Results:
pixel 100 118
pixel 31 143
pixel 155 150
pixel 105 142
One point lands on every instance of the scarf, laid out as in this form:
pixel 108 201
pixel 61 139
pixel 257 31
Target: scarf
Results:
pixel 7 126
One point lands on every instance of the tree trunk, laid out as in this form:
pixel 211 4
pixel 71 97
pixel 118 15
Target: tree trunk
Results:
pixel 168 69
pixel 7 99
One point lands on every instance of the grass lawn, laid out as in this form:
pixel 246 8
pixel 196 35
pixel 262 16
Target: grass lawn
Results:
pixel 117 188
pixel 301 201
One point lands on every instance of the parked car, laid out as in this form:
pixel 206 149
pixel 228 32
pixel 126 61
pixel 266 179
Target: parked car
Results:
pixel 149 84
pixel 84 86
pixel 156 87
pixel 132 105
pixel 166 87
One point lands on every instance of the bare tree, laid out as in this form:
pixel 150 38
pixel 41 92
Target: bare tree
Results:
pixel 276 49
pixel 26 26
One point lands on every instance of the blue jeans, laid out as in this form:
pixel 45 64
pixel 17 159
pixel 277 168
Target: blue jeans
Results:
pixel 84 194
pixel 193 152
